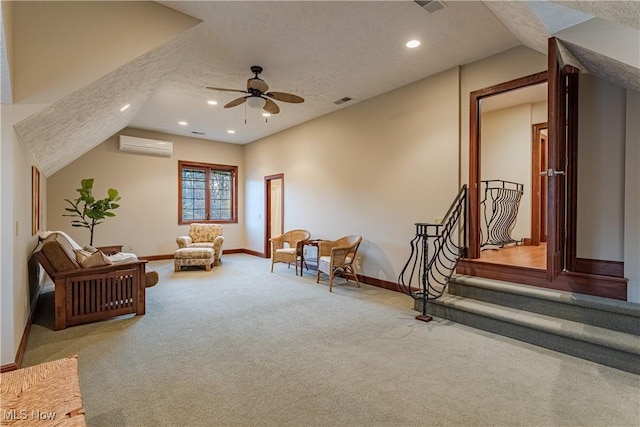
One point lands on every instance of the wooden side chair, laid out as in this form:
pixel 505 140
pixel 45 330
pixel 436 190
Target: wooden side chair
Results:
pixel 288 247
pixel 338 256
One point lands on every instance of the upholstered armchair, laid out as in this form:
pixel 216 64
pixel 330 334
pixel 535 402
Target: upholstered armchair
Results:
pixel 288 247
pixel 338 256
pixel 204 236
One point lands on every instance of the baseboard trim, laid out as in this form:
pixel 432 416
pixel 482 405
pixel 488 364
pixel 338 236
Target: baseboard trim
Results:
pixel 224 251
pixel 156 257
pixel 380 283
pixel 22 347
pixel 250 252
pixel 600 267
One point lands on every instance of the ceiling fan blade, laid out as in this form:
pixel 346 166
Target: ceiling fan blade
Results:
pixel 285 97
pixel 226 90
pixel 236 101
pixel 271 107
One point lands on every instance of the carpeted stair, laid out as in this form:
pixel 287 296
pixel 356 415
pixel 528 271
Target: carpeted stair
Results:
pixel 597 329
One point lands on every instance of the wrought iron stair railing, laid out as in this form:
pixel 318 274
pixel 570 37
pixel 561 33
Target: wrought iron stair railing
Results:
pixel 435 251
pixel 500 205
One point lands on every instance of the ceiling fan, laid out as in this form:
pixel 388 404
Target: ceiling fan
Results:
pixel 258 97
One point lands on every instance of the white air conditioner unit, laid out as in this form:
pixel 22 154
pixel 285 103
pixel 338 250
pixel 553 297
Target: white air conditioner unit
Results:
pixel 145 146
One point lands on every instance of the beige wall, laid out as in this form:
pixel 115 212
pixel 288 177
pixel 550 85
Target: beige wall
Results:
pixel 506 155
pixel 46 64
pixel 146 222
pixel 505 66
pixel 632 197
pixel 372 169
pixel 102 36
pixel 16 240
pixel 601 145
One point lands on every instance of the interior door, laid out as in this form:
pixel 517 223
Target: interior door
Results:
pixel 563 125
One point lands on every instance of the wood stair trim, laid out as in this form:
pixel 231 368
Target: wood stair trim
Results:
pixel 586 284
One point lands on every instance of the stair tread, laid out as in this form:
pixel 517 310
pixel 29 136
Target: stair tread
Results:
pixel 606 304
pixel 584 332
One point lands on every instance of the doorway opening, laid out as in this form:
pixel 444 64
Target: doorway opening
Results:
pixel 274 209
pixel 505 164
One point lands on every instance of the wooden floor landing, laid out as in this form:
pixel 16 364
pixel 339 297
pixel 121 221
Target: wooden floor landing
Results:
pixel 523 256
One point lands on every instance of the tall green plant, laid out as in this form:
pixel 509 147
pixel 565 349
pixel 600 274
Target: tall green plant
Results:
pixel 89 211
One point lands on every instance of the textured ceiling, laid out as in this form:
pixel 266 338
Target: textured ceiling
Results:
pixel 322 51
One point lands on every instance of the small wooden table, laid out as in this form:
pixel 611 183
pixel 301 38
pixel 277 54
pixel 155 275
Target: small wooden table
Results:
pixel 314 243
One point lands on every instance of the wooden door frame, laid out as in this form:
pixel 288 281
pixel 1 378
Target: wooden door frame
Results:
pixel 571 274
pixel 563 156
pixel 474 150
pixel 267 210
pixel 538 191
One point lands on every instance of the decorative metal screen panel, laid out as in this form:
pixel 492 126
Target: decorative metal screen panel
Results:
pixel 499 209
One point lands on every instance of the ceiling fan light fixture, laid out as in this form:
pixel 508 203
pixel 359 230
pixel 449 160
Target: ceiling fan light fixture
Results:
pixel 256 102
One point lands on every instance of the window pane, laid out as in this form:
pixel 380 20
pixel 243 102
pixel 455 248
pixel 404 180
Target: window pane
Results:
pixel 220 187
pixel 193 194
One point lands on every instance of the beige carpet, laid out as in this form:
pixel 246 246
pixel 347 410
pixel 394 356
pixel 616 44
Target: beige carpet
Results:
pixel 239 346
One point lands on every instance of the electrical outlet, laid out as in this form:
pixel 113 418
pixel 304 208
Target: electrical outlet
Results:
pixel 130 247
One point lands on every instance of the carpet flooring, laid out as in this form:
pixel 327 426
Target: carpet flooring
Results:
pixel 239 346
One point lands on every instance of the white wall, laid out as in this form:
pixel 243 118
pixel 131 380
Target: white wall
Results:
pixel 147 220
pixel 601 180
pixel 373 169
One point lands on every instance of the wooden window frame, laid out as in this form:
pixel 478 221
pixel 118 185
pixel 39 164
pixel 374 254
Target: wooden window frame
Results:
pixel 234 191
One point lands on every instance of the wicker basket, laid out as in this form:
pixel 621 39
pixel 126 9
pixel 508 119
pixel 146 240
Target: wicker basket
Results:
pixel 47 394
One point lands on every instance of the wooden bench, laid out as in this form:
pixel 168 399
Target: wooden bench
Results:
pixel 84 295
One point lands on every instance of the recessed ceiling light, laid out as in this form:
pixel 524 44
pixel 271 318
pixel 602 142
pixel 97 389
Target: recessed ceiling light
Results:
pixel 212 102
pixel 125 107
pixel 413 44
pixel 183 123
pixel 231 131
pixel 266 115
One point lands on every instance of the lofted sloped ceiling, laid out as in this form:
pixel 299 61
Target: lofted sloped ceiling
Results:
pixel 322 51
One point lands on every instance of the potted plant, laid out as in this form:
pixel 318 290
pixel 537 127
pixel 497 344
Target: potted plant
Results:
pixel 89 210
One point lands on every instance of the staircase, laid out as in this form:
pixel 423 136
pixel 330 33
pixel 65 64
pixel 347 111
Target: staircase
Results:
pixel 592 328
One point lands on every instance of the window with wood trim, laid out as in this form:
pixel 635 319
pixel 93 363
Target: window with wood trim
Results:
pixel 207 193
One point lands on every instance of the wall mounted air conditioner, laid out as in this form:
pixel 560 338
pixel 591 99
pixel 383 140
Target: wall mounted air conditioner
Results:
pixel 145 146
